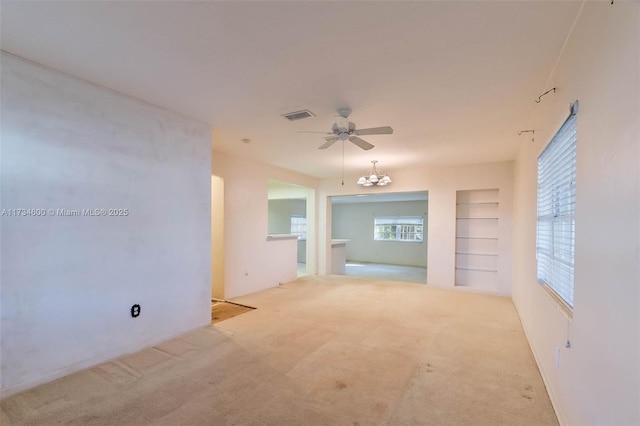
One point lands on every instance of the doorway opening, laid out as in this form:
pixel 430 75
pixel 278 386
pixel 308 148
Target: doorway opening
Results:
pixel 292 211
pixel 217 238
pixel 385 235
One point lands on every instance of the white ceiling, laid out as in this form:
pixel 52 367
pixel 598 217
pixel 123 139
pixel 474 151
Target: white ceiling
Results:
pixel 456 80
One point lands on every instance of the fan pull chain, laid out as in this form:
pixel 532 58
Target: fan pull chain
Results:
pixel 342 163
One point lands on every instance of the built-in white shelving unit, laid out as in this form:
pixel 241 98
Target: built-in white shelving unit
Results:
pixel 477 238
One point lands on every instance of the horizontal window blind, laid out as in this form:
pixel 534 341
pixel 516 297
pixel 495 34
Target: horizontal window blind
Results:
pixel 299 226
pixel 401 228
pixel 401 220
pixel 556 207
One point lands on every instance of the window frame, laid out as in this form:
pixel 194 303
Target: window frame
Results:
pixel 400 229
pixel 299 229
pixel 555 213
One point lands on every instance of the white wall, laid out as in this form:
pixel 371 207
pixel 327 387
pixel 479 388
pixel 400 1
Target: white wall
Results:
pixel 280 190
pixel 68 283
pixel 442 184
pixel 355 222
pixel 280 212
pixel 598 378
pixel 249 266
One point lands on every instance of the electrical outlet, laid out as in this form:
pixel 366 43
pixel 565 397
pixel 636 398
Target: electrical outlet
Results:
pixel 557 357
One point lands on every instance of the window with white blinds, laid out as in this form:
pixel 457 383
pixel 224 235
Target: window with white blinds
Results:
pixel 556 207
pixel 299 227
pixel 402 228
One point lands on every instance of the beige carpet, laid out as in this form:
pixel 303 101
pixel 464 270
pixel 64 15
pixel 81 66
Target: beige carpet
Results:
pixel 381 271
pixel 319 351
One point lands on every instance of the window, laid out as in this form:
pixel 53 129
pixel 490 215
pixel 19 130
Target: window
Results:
pixel 402 228
pixel 556 207
pixel 299 227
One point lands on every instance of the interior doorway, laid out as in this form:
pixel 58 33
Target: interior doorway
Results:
pixel 292 211
pixel 385 234
pixel 217 238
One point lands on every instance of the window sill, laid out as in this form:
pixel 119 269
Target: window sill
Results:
pixel 562 306
pixel 398 241
pixel 276 237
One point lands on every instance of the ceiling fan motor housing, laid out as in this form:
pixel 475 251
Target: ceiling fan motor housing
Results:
pixel 341 124
pixel 343 128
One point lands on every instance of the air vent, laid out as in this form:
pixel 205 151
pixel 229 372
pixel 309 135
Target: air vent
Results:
pixel 298 115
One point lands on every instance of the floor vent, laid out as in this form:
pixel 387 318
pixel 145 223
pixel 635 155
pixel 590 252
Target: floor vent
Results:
pixel 298 115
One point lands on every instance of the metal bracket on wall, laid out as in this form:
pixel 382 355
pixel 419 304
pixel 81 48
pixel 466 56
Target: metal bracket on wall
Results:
pixel 540 97
pixel 533 132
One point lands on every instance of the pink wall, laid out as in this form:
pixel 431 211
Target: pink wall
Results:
pixel 598 378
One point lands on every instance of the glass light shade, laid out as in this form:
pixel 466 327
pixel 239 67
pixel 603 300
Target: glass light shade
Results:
pixel 374 177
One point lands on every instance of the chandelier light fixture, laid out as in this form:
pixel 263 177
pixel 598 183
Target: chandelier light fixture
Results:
pixel 374 177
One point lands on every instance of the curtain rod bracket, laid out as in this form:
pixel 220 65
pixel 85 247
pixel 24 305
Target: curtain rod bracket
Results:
pixel 533 132
pixel 526 131
pixel 540 97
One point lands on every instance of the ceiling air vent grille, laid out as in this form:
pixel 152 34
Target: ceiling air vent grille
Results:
pixel 298 115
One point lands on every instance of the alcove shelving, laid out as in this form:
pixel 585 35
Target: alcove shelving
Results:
pixel 477 238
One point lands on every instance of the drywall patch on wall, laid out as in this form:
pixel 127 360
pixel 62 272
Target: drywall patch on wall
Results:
pixel 70 279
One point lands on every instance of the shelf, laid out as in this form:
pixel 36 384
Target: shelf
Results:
pixel 486 203
pixel 476 254
pixel 462 268
pixel 477 223
pixel 477 238
pixel 277 237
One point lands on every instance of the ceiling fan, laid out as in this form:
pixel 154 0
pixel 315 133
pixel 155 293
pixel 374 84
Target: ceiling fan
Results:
pixel 343 130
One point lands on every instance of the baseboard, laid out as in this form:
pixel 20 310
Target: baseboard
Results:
pixel 555 403
pixel 469 289
pixel 24 386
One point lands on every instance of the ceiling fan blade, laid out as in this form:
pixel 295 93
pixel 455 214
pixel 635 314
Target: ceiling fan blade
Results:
pixel 361 143
pixel 329 142
pixel 375 131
